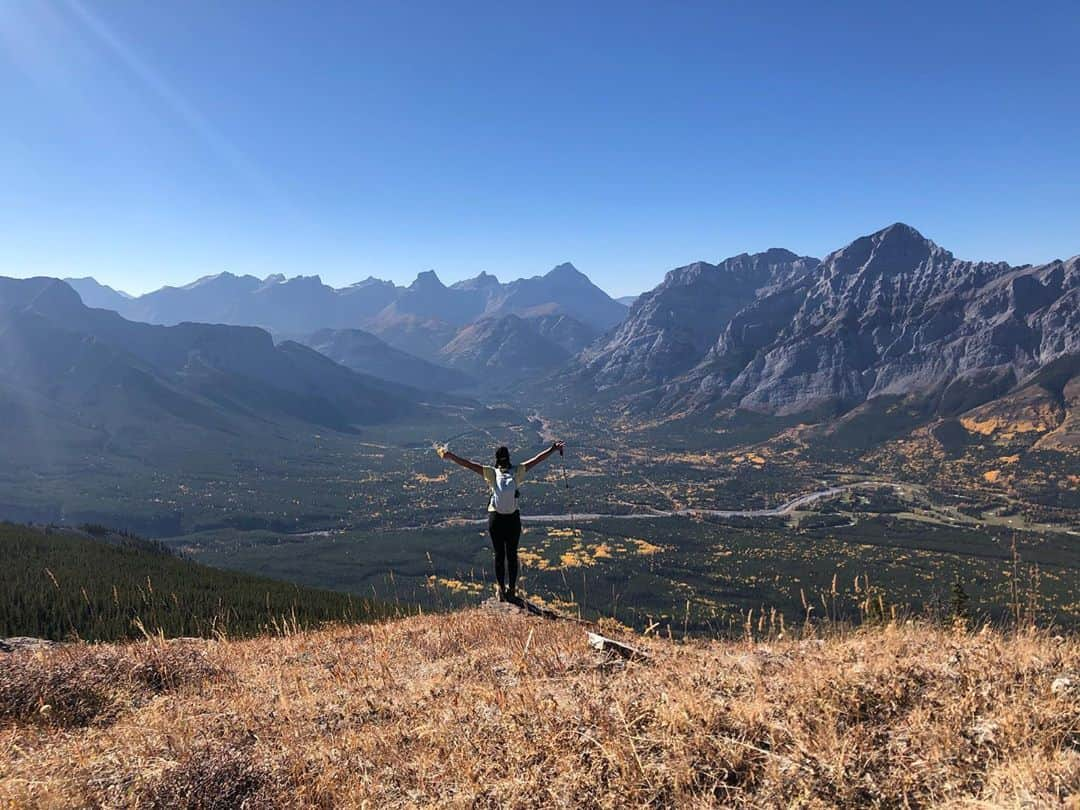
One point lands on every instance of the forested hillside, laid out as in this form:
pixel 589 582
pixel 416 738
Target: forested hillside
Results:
pixel 58 584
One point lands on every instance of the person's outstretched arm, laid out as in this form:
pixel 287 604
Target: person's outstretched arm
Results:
pixel 464 462
pixel 532 462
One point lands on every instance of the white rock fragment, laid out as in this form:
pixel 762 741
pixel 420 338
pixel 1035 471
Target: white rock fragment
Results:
pixel 1063 685
pixel 984 732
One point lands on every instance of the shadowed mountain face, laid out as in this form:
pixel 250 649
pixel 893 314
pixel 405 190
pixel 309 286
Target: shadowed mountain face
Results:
pixel 428 298
pixel 94 369
pixel 362 351
pixel 563 291
pixel 501 350
pixel 97 295
pixel 669 328
pixel 564 331
pixel 890 314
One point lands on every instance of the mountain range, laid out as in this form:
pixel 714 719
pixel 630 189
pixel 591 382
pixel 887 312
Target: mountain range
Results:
pixel 890 346
pixel 890 315
pixel 75 375
pixel 421 318
pixel 893 313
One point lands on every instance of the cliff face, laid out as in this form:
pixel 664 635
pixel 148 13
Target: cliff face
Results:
pixel 891 313
pixel 669 328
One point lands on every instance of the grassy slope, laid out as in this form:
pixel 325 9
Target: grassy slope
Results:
pixel 482 709
pixel 60 583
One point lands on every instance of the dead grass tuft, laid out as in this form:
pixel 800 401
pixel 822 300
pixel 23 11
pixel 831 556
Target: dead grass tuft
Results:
pixel 217 776
pixel 76 685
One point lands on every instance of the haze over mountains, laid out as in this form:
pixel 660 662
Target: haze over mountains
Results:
pixel 81 376
pixel 888 338
pixel 366 353
pixel 891 314
pixel 421 318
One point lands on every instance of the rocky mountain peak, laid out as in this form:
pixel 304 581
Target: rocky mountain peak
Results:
pixel 899 248
pixel 305 281
pixel 46 295
pixel 565 271
pixel 777 256
pixel 427 280
pixel 369 282
pixel 481 281
pixel 224 276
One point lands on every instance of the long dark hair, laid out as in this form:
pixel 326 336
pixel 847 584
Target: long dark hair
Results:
pixel 502 457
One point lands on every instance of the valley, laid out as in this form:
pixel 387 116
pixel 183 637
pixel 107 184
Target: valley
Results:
pixel 643 531
pixel 754 435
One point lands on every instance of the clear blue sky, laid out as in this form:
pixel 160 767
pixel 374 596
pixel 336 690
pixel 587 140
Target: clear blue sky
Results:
pixel 148 143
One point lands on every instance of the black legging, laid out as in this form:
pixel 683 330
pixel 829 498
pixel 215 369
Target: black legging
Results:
pixel 505 531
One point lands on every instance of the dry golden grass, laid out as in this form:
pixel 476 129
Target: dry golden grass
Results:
pixel 483 709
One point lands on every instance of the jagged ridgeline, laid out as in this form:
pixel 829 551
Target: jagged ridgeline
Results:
pixel 102 586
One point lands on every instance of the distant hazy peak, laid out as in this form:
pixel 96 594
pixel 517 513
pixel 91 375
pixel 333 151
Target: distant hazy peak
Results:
pixel 202 280
pixel 311 281
pixel 565 270
pixel 274 278
pixel 224 276
pixel 370 281
pixel 45 294
pixel 90 280
pixel 483 280
pixel 427 280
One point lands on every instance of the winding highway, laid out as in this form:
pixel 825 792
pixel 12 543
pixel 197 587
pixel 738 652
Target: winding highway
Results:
pixel 784 509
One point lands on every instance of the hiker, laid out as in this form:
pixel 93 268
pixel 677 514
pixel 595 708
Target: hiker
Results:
pixel 504 519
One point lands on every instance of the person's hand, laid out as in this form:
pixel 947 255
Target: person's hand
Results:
pixel 442 451
pixel 560 445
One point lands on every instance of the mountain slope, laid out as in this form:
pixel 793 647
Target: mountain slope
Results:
pixel 563 290
pixel 669 328
pixel 427 298
pixel 97 295
pixel 499 350
pixel 222 298
pixel 110 370
pixel 890 314
pixel 95 583
pixel 563 330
